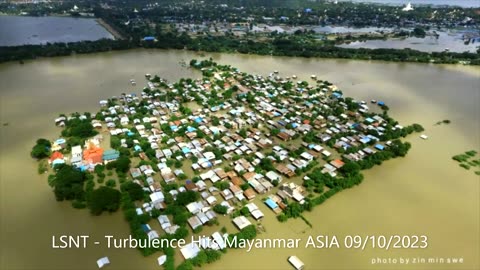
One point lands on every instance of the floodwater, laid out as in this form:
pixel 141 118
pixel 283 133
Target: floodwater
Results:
pixel 425 193
pixel 460 3
pixel 21 30
pixel 451 40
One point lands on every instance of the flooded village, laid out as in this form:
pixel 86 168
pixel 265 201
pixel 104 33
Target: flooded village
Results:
pixel 216 148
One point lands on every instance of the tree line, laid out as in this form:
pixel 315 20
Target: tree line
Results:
pixel 281 45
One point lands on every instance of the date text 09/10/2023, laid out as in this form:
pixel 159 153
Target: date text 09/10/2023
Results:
pixel 362 242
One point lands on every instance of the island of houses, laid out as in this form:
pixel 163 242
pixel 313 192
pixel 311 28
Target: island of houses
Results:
pixel 243 142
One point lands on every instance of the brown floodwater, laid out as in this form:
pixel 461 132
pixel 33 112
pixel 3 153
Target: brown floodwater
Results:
pixel 425 193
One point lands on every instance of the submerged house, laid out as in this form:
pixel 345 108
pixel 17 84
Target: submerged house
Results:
pixel 56 158
pixel 110 155
pixel 77 155
pixel 93 154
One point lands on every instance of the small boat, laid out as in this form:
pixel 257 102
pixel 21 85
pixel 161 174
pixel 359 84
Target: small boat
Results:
pixel 313 76
pixel 102 262
pixel 295 261
pixel 294 76
pixel 373 101
pixel 423 136
pixel 275 71
pixel 148 75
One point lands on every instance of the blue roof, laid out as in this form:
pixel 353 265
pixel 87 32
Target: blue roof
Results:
pixel 370 120
pixel 294 125
pixel 191 129
pixel 130 133
pixel 270 203
pixel 186 150
pixel 146 228
pixel 137 148
pixel 381 103
pixel 58 161
pixel 337 94
pixel 173 128
pixel 365 139
pixel 379 146
pixel 149 38
pixel 110 154
pixel 198 119
pixel 308 10
pixel 60 141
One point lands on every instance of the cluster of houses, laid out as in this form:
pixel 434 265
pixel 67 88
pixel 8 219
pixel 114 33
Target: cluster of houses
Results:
pixel 229 142
pixel 237 28
pixel 84 158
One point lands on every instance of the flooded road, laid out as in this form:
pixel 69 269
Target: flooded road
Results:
pixel 423 193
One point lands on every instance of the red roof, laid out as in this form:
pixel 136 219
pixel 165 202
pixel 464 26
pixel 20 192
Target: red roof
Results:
pixel 93 154
pixel 337 163
pixel 56 155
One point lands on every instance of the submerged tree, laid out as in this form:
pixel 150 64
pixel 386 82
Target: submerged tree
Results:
pixel 41 149
pixel 103 199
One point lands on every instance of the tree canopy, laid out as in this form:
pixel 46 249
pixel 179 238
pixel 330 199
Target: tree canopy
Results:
pixel 68 184
pixel 134 190
pixel 41 149
pixel 103 199
pixel 123 164
pixel 79 128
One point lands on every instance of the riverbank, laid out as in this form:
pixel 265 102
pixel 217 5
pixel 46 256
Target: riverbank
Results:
pixel 109 28
pixel 27 52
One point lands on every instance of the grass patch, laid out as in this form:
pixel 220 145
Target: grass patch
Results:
pixel 465 166
pixel 460 158
pixel 42 166
pixel 468 160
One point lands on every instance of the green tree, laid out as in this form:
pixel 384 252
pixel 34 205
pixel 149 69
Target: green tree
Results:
pixel 68 184
pixel 134 190
pixel 184 198
pixel 41 149
pixel 115 142
pixel 123 164
pixel 103 199
pixel 220 209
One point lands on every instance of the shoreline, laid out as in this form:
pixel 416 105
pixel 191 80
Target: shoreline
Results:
pixel 116 35
pixel 206 52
